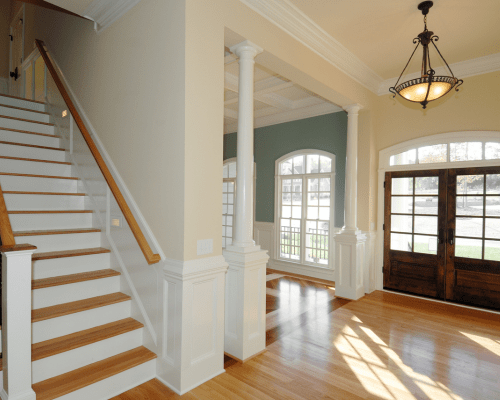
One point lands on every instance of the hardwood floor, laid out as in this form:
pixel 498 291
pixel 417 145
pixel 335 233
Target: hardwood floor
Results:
pixel 384 346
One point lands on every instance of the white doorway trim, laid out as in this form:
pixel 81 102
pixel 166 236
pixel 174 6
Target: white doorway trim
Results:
pixel 384 166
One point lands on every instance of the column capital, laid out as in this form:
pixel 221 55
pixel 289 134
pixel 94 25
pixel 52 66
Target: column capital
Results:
pixel 353 108
pixel 246 49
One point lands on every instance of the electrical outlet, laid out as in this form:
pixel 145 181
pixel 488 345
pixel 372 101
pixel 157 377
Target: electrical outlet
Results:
pixel 205 246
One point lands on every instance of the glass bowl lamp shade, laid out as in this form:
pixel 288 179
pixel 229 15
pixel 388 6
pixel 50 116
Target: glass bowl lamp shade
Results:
pixel 429 86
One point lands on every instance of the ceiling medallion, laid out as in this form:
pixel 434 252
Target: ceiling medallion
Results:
pixel 429 86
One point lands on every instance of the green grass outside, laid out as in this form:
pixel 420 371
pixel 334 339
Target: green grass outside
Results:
pixel 464 251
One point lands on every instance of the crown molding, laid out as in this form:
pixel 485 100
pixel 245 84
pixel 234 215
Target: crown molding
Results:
pixel 106 12
pixel 290 19
pixel 461 69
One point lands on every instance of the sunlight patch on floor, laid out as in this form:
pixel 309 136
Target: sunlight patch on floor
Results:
pixel 487 343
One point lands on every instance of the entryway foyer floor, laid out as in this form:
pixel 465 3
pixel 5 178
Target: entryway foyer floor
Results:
pixel 384 346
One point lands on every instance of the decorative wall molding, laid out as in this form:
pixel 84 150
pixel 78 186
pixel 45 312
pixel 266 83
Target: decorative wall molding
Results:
pixel 105 12
pixel 263 234
pixel 4 85
pixel 306 270
pixel 194 268
pixel 462 69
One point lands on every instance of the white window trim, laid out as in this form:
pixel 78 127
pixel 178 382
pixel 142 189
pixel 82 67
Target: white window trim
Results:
pixel 277 208
pixel 384 166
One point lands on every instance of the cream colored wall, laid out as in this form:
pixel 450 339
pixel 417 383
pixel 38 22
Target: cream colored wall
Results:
pixel 4 38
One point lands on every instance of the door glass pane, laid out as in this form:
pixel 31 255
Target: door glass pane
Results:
pixel 402 186
pixel 493 184
pixel 493 206
pixel 472 227
pixel 470 184
pixel 492 250
pixel 426 225
pixel 432 154
pixel 427 185
pixel 402 205
pixel 469 205
pixel 425 244
pixel 468 248
pixel 426 205
pixel 401 223
pixel 492 228
pixel 400 242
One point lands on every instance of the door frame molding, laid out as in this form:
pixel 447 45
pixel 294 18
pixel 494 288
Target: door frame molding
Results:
pixel 384 166
pixel 21 12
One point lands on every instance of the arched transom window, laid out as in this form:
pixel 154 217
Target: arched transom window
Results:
pixel 304 207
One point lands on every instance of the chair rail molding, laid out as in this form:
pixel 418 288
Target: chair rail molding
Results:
pixel 105 12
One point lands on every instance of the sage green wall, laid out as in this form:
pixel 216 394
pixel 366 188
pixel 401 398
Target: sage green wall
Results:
pixel 326 132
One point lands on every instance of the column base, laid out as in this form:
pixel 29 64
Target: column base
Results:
pixel 245 324
pixel 349 262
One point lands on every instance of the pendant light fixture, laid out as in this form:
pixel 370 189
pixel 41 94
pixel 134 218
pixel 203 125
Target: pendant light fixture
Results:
pixel 429 86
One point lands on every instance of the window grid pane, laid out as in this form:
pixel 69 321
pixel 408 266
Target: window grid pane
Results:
pixel 227 212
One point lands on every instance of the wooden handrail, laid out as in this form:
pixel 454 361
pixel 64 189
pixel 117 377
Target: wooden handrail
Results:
pixel 134 226
pixel 6 235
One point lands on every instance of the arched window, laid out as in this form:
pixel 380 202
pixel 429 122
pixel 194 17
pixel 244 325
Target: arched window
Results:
pixel 305 183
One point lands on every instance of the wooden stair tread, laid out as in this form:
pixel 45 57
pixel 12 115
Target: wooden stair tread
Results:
pixel 35 160
pixel 92 373
pixel 39 176
pixel 27 120
pixel 51 212
pixel 43 193
pixel 24 109
pixel 69 253
pixel 29 132
pixel 42 314
pixel 75 340
pixel 73 278
pixel 22 98
pixel 31 145
pixel 55 232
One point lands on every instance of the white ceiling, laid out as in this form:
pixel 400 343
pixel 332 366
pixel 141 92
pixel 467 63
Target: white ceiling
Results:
pixel 276 100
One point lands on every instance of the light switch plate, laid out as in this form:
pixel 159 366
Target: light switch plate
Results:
pixel 205 246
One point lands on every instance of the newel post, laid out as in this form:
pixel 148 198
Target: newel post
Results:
pixel 16 322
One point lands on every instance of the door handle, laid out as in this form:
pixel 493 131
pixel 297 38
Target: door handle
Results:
pixel 451 238
pixel 14 74
pixel 441 236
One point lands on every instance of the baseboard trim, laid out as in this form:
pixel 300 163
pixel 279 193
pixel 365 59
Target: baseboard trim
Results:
pixel 306 271
pixel 180 393
pixel 318 280
pixel 246 359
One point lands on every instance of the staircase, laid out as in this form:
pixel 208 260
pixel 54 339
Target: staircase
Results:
pixel 85 344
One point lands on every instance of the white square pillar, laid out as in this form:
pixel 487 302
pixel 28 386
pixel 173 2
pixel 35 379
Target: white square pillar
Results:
pixel 349 265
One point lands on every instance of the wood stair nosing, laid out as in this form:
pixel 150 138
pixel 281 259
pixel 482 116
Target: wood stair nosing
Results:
pixel 51 212
pixel 31 145
pixel 24 109
pixel 39 176
pixel 43 193
pixel 21 98
pixel 75 340
pixel 35 160
pixel 69 253
pixel 42 314
pixel 73 278
pixel 71 381
pixel 27 120
pixel 55 232
pixel 30 132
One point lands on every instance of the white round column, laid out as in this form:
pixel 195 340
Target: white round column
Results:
pixel 351 171
pixel 243 235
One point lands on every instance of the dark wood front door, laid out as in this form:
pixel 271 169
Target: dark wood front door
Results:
pixel 442 234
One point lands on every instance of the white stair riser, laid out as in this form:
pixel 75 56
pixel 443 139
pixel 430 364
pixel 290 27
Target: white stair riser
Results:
pixel 116 384
pixel 27 138
pixel 71 323
pixel 31 115
pixel 34 167
pixel 77 358
pixel 26 126
pixel 68 241
pixel 9 101
pixel 67 266
pixel 10 150
pixel 33 202
pixel 54 295
pixel 33 222
pixel 34 184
